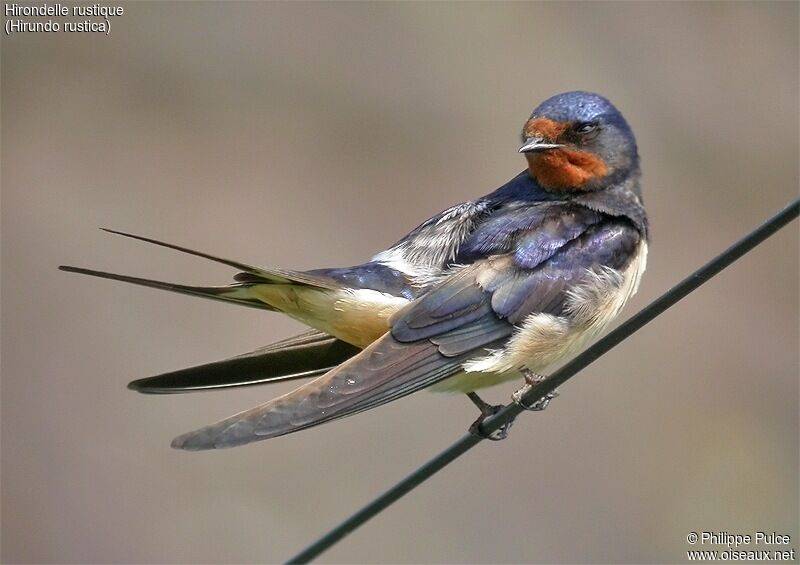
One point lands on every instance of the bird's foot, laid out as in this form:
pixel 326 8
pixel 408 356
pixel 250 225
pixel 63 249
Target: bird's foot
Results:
pixel 531 380
pixel 487 410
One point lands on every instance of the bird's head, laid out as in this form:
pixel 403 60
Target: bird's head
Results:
pixel 578 141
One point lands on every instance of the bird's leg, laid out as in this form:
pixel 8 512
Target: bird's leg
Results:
pixel 487 410
pixel 531 380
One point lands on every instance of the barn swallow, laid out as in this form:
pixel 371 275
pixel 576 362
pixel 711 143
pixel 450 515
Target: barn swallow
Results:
pixel 489 290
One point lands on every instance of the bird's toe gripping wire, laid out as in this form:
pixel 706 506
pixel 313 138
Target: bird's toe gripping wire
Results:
pixel 531 380
pixel 487 410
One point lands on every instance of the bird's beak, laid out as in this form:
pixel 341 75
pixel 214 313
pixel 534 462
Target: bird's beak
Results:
pixel 537 144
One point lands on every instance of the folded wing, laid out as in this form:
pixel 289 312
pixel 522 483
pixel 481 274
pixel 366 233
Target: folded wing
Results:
pixel 469 313
pixel 309 354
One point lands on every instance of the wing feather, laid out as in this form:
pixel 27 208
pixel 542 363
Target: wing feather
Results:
pixel 386 370
pixel 309 354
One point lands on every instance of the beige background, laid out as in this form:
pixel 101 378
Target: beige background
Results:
pixel 309 135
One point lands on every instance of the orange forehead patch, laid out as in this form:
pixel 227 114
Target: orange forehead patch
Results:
pixel 565 169
pixel 542 127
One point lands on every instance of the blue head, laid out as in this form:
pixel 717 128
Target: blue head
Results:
pixel 578 141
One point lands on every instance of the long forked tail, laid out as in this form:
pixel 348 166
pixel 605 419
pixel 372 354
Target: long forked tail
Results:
pixel 236 293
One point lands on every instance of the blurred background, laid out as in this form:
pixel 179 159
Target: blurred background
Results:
pixel 309 135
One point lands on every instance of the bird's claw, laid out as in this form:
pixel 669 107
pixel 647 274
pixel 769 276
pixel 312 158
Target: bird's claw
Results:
pixel 497 435
pixel 541 404
pixel 487 410
pixel 531 380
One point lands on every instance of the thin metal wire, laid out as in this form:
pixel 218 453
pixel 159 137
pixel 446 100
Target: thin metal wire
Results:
pixel 510 411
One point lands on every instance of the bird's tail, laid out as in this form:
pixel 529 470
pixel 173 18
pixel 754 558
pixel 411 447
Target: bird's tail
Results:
pixel 234 293
pixel 237 293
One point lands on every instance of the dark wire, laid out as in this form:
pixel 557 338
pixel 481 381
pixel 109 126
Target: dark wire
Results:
pixel 510 411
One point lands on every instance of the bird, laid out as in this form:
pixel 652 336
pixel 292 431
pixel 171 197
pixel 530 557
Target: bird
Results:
pixel 493 289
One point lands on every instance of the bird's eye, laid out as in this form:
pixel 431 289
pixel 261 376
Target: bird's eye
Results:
pixel 585 127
